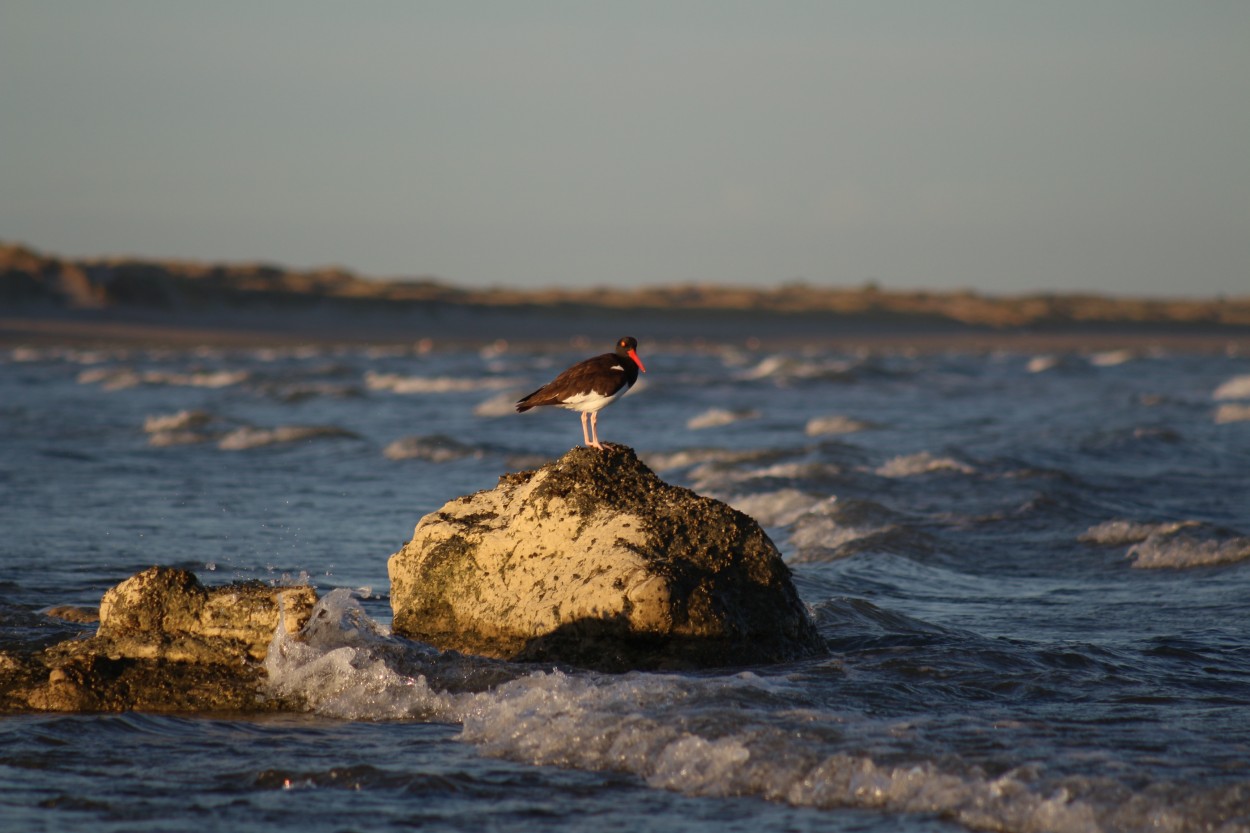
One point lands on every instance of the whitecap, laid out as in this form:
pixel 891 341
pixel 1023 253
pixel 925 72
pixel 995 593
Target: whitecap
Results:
pixel 909 465
pixel 1120 532
pixel 120 378
pixel 718 477
pixel 655 726
pixel 1237 387
pixel 1040 364
pixel 181 421
pixel 500 405
pixel 1111 358
pixel 835 424
pixel 396 383
pixel 687 457
pixel 1232 412
pixel 435 449
pixel 780 508
pixel 782 368
pixel 716 417
pixel 1183 550
pixel 248 437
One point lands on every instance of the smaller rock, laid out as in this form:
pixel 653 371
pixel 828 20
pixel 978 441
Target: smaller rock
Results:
pixel 166 643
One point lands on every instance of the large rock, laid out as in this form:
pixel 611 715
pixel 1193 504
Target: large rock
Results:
pixel 594 561
pixel 165 643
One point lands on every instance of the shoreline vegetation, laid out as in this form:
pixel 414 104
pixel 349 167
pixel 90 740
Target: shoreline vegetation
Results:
pixel 47 298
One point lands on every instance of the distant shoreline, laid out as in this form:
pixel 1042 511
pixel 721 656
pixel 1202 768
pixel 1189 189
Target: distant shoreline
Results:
pixel 45 299
pixel 183 332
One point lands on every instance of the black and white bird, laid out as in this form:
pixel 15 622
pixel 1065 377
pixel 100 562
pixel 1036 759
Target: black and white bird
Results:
pixel 590 386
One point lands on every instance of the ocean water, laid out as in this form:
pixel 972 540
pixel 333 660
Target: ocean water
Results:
pixel 1032 572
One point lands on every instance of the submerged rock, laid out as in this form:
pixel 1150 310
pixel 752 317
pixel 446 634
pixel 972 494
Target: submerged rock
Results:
pixel 594 561
pixel 165 643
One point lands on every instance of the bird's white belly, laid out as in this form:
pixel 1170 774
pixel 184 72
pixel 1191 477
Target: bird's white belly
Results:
pixel 591 401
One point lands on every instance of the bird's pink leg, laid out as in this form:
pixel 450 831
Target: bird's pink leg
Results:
pixel 594 430
pixel 585 433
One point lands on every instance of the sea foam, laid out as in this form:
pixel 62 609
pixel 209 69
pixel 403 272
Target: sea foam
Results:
pixel 910 465
pixel 1237 387
pixel 655 726
pixel 1170 544
pixel 396 383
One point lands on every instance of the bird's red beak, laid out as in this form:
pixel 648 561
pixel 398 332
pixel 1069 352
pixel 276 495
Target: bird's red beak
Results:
pixel 633 354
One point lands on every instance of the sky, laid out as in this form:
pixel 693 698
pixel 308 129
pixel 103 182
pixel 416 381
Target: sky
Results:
pixel 1001 147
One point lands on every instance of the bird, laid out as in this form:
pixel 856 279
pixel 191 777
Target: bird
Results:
pixel 590 386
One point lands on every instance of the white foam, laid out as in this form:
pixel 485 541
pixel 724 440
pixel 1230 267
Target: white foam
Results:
pixel 687 457
pixel 112 378
pixel 782 367
pixel 780 508
pixel 181 421
pixel 500 405
pixel 1119 532
pixel 1237 387
pixel 396 383
pixel 1040 364
pixel 1170 544
pixel 435 449
pixel 1232 412
pixel 834 424
pixel 716 417
pixel 1183 551
pixel 249 437
pixel 662 729
pixel 711 477
pixel 909 465
pixel 335 666
pixel 1111 358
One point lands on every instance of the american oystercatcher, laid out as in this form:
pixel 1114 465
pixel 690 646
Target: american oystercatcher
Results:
pixel 591 385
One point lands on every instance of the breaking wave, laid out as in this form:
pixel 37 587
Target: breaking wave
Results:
pixel 435 448
pixel 1171 544
pixel 924 462
pixel 1237 387
pixel 395 383
pixel 835 424
pixel 110 378
pixel 716 417
pixel 1232 412
pixel 690 735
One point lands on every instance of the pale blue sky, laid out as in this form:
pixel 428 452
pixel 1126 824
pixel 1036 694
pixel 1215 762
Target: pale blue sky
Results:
pixel 1098 145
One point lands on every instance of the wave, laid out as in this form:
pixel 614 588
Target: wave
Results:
pixel 182 428
pixel 1179 551
pixel 396 383
pixel 111 378
pixel 910 465
pixel 500 405
pixel 1040 364
pixel 1111 358
pixel 1237 387
pixel 835 424
pixel 720 478
pixel 731 735
pixel 1170 544
pixel 247 438
pixel 194 426
pixel 663 461
pixel 716 417
pixel 1118 533
pixel 436 448
pixel 1232 412
pixel 783 368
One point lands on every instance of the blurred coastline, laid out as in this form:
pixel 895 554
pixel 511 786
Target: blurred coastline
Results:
pixel 48 299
